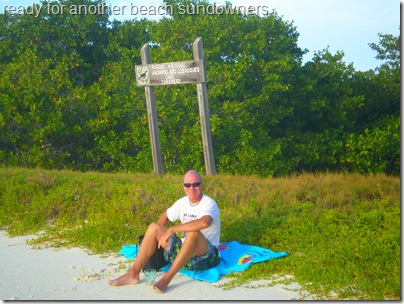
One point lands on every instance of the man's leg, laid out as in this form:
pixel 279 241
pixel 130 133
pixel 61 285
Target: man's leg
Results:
pixel 147 248
pixel 195 244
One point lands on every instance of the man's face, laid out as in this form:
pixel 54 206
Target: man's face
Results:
pixel 194 191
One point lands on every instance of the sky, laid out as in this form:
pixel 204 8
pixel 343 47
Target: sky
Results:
pixel 339 25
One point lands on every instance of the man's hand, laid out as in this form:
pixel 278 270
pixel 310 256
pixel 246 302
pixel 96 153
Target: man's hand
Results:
pixel 164 240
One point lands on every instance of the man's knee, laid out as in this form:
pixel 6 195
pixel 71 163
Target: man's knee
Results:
pixel 155 228
pixel 194 235
pixel 199 241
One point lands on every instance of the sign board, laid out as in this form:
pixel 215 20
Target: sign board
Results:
pixel 149 75
pixel 170 73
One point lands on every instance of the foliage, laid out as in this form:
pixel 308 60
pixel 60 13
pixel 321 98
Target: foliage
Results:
pixel 374 150
pixel 68 98
pixel 341 231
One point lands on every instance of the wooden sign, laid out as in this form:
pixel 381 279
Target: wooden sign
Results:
pixel 149 75
pixel 170 73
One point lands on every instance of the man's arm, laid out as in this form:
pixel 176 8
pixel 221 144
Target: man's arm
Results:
pixel 196 225
pixel 163 220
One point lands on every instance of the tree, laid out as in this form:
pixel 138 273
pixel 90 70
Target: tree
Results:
pixel 248 75
pixel 68 97
pixel 380 88
pixel 48 62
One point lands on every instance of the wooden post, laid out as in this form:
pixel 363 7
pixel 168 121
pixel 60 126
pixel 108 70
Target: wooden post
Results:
pixel 204 112
pixel 152 117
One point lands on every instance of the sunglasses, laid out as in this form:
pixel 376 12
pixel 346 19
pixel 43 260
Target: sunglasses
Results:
pixel 188 185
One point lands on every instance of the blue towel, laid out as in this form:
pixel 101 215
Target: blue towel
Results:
pixel 233 257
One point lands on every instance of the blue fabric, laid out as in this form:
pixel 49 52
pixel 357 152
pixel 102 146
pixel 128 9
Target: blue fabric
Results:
pixel 234 256
pixel 129 252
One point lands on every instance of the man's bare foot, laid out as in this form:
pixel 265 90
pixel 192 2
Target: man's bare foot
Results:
pixel 125 279
pixel 161 285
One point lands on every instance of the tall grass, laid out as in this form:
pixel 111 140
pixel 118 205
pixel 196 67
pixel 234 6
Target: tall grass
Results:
pixel 341 231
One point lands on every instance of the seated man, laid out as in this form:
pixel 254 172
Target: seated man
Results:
pixel 200 236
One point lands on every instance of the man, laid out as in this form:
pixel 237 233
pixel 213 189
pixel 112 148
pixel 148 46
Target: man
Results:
pixel 200 236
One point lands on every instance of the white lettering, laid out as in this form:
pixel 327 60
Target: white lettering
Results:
pixel 182 9
pixel 34 9
pixel 171 81
pixel 176 64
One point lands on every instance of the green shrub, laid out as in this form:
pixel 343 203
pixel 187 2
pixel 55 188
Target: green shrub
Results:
pixel 341 231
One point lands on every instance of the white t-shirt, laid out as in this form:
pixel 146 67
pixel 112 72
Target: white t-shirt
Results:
pixel 183 211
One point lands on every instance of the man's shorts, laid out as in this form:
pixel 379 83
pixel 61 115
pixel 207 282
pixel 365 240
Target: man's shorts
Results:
pixel 195 263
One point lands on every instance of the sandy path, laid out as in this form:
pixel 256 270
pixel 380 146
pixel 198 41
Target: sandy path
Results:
pixel 72 274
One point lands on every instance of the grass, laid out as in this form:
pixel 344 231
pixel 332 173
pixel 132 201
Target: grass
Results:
pixel 341 231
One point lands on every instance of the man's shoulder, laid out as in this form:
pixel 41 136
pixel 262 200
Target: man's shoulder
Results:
pixel 208 199
pixel 182 200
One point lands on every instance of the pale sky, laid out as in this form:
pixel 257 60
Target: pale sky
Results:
pixel 340 25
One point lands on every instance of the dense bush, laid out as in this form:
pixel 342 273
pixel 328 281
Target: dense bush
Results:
pixel 68 97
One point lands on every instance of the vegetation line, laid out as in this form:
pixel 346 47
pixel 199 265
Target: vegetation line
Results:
pixel 341 231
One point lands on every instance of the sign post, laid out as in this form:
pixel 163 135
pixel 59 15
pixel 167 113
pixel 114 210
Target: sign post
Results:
pixel 204 113
pixel 152 117
pixel 149 75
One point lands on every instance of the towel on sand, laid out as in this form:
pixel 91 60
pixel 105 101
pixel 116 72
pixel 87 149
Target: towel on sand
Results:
pixel 233 257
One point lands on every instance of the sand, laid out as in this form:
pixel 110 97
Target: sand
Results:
pixel 74 274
